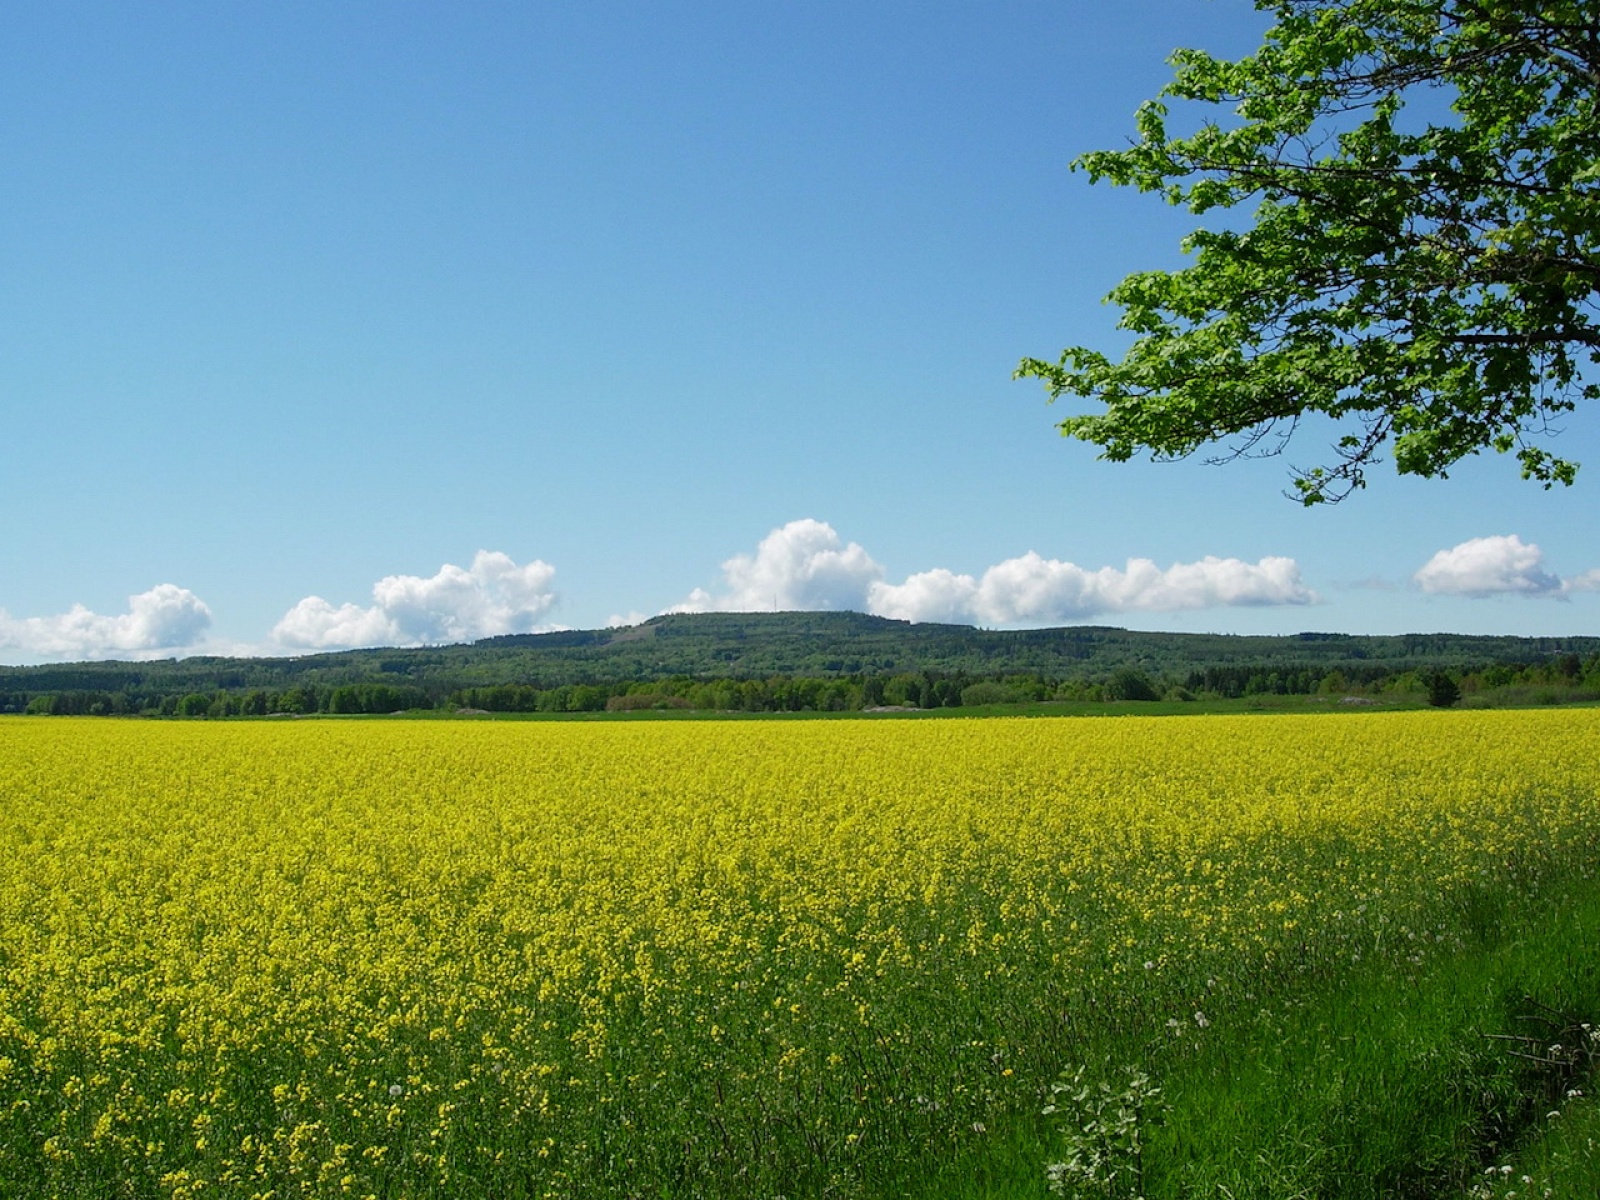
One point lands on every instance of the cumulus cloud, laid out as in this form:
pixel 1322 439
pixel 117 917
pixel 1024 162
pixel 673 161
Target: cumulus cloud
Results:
pixel 936 595
pixel 1032 589
pixel 494 596
pixel 1589 581
pixel 805 565
pixel 801 567
pixel 165 618
pixel 1489 566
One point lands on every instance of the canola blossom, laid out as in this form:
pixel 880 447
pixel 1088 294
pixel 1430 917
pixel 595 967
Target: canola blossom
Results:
pixel 323 958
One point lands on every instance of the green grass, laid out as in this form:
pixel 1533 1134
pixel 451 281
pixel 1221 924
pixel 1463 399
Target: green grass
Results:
pixel 1386 1079
pixel 1042 708
pixel 1396 702
pixel 1562 1162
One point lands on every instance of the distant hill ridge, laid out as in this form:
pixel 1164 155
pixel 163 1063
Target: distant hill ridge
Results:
pixel 825 644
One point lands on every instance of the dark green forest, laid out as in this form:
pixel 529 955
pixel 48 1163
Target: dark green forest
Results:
pixel 798 662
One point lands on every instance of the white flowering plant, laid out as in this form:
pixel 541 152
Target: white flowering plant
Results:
pixel 1103 1126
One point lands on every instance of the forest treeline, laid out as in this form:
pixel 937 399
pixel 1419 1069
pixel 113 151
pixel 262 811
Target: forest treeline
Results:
pixel 1557 679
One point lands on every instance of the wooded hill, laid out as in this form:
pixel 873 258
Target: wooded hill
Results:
pixel 805 647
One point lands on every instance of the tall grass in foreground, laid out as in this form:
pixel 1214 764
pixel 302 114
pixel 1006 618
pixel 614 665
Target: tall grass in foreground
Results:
pixel 820 959
pixel 1394 1081
pixel 1562 1161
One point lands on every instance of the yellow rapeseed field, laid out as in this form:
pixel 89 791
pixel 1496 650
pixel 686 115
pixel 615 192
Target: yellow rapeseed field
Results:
pixel 319 958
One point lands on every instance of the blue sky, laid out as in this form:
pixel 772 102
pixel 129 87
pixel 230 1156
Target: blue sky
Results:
pixel 364 324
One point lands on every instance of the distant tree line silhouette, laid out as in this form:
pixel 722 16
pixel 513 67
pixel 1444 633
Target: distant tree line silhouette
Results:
pixel 1559 678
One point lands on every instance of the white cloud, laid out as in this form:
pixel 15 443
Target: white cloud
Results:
pixel 936 595
pixel 1033 590
pixel 165 618
pixel 1489 566
pixel 1589 581
pixel 314 624
pixel 805 565
pixel 494 596
pixel 802 567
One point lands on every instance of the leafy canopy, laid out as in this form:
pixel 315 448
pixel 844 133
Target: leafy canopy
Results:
pixel 1428 285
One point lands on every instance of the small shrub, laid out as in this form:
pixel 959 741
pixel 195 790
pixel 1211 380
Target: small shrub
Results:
pixel 646 701
pixel 990 693
pixel 1442 690
pixel 1104 1130
pixel 1128 684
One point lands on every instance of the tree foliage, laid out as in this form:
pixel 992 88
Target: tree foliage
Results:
pixel 1442 690
pixel 1424 260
